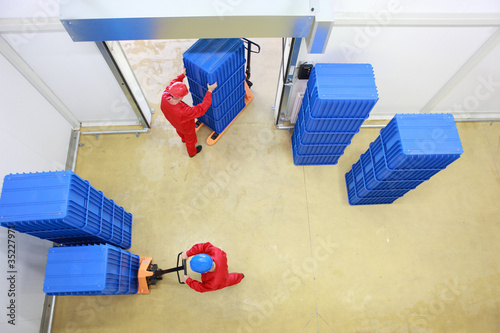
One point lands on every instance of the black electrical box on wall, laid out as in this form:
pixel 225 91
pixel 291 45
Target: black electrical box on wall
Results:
pixel 304 71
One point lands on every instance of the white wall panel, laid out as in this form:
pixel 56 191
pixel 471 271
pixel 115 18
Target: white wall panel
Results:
pixel 477 94
pixel 411 64
pixel 79 76
pixel 28 121
pixel 33 137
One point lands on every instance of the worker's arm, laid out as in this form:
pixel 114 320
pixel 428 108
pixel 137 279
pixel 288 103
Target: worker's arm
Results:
pixel 179 78
pixel 197 249
pixel 200 109
pixel 198 286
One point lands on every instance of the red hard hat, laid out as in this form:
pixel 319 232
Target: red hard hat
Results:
pixel 178 90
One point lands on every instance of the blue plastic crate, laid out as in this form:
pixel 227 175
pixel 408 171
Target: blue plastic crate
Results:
pixel 90 270
pixel 42 197
pixel 217 113
pixel 316 149
pixel 308 137
pixel 299 159
pixel 372 183
pixel 362 190
pixel 122 224
pixel 220 125
pixel 214 60
pixel 384 172
pixel 74 214
pixel 94 227
pixel 55 234
pixel 95 231
pixel 354 109
pixel 108 221
pixel 235 84
pixel 355 200
pixel 125 265
pixel 121 227
pixel 75 240
pixel 129 269
pixel 421 141
pixel 342 90
pixel 322 125
pixel 61 207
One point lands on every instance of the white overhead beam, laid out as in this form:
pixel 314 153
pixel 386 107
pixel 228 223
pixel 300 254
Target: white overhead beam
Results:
pixel 322 26
pixel 388 18
pixel 111 20
pixel 31 25
pixel 15 59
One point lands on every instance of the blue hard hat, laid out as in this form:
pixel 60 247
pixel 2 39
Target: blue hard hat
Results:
pixel 201 263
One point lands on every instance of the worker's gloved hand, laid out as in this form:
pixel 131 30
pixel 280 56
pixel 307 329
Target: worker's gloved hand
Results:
pixel 184 256
pixel 185 277
pixel 211 87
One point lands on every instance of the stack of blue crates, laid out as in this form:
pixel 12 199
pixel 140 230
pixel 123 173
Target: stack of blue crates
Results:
pixel 337 100
pixel 91 270
pixel 63 208
pixel 221 61
pixel 409 150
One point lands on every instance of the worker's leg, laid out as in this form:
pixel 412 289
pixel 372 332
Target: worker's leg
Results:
pixel 234 278
pixel 191 140
pixel 181 135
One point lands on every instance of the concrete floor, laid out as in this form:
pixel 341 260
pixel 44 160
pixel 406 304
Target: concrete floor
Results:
pixel 312 263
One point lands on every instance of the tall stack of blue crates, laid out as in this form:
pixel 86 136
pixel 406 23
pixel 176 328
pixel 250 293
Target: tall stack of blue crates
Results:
pixel 409 150
pixel 91 270
pixel 63 208
pixel 221 61
pixel 338 99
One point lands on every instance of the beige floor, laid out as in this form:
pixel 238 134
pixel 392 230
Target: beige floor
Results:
pixel 313 263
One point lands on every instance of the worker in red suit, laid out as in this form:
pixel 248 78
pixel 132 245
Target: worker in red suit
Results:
pixel 181 115
pixel 211 262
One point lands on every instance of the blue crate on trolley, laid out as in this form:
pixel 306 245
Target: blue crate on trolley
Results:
pixel 220 125
pixel 384 172
pixel 91 270
pixel 218 112
pixel 355 200
pixel 342 90
pixel 235 84
pixel 334 138
pixel 364 192
pixel 322 125
pixel 59 206
pixel 312 159
pixel 214 60
pixel 421 141
pixel 372 183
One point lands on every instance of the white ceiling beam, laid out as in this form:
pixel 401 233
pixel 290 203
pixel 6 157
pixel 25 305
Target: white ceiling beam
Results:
pixel 389 18
pixel 110 20
pixel 31 25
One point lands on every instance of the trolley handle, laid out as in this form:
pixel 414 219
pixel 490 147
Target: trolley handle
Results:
pixel 249 45
pixel 183 266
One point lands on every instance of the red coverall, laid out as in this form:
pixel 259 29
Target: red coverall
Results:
pixel 182 116
pixel 218 279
